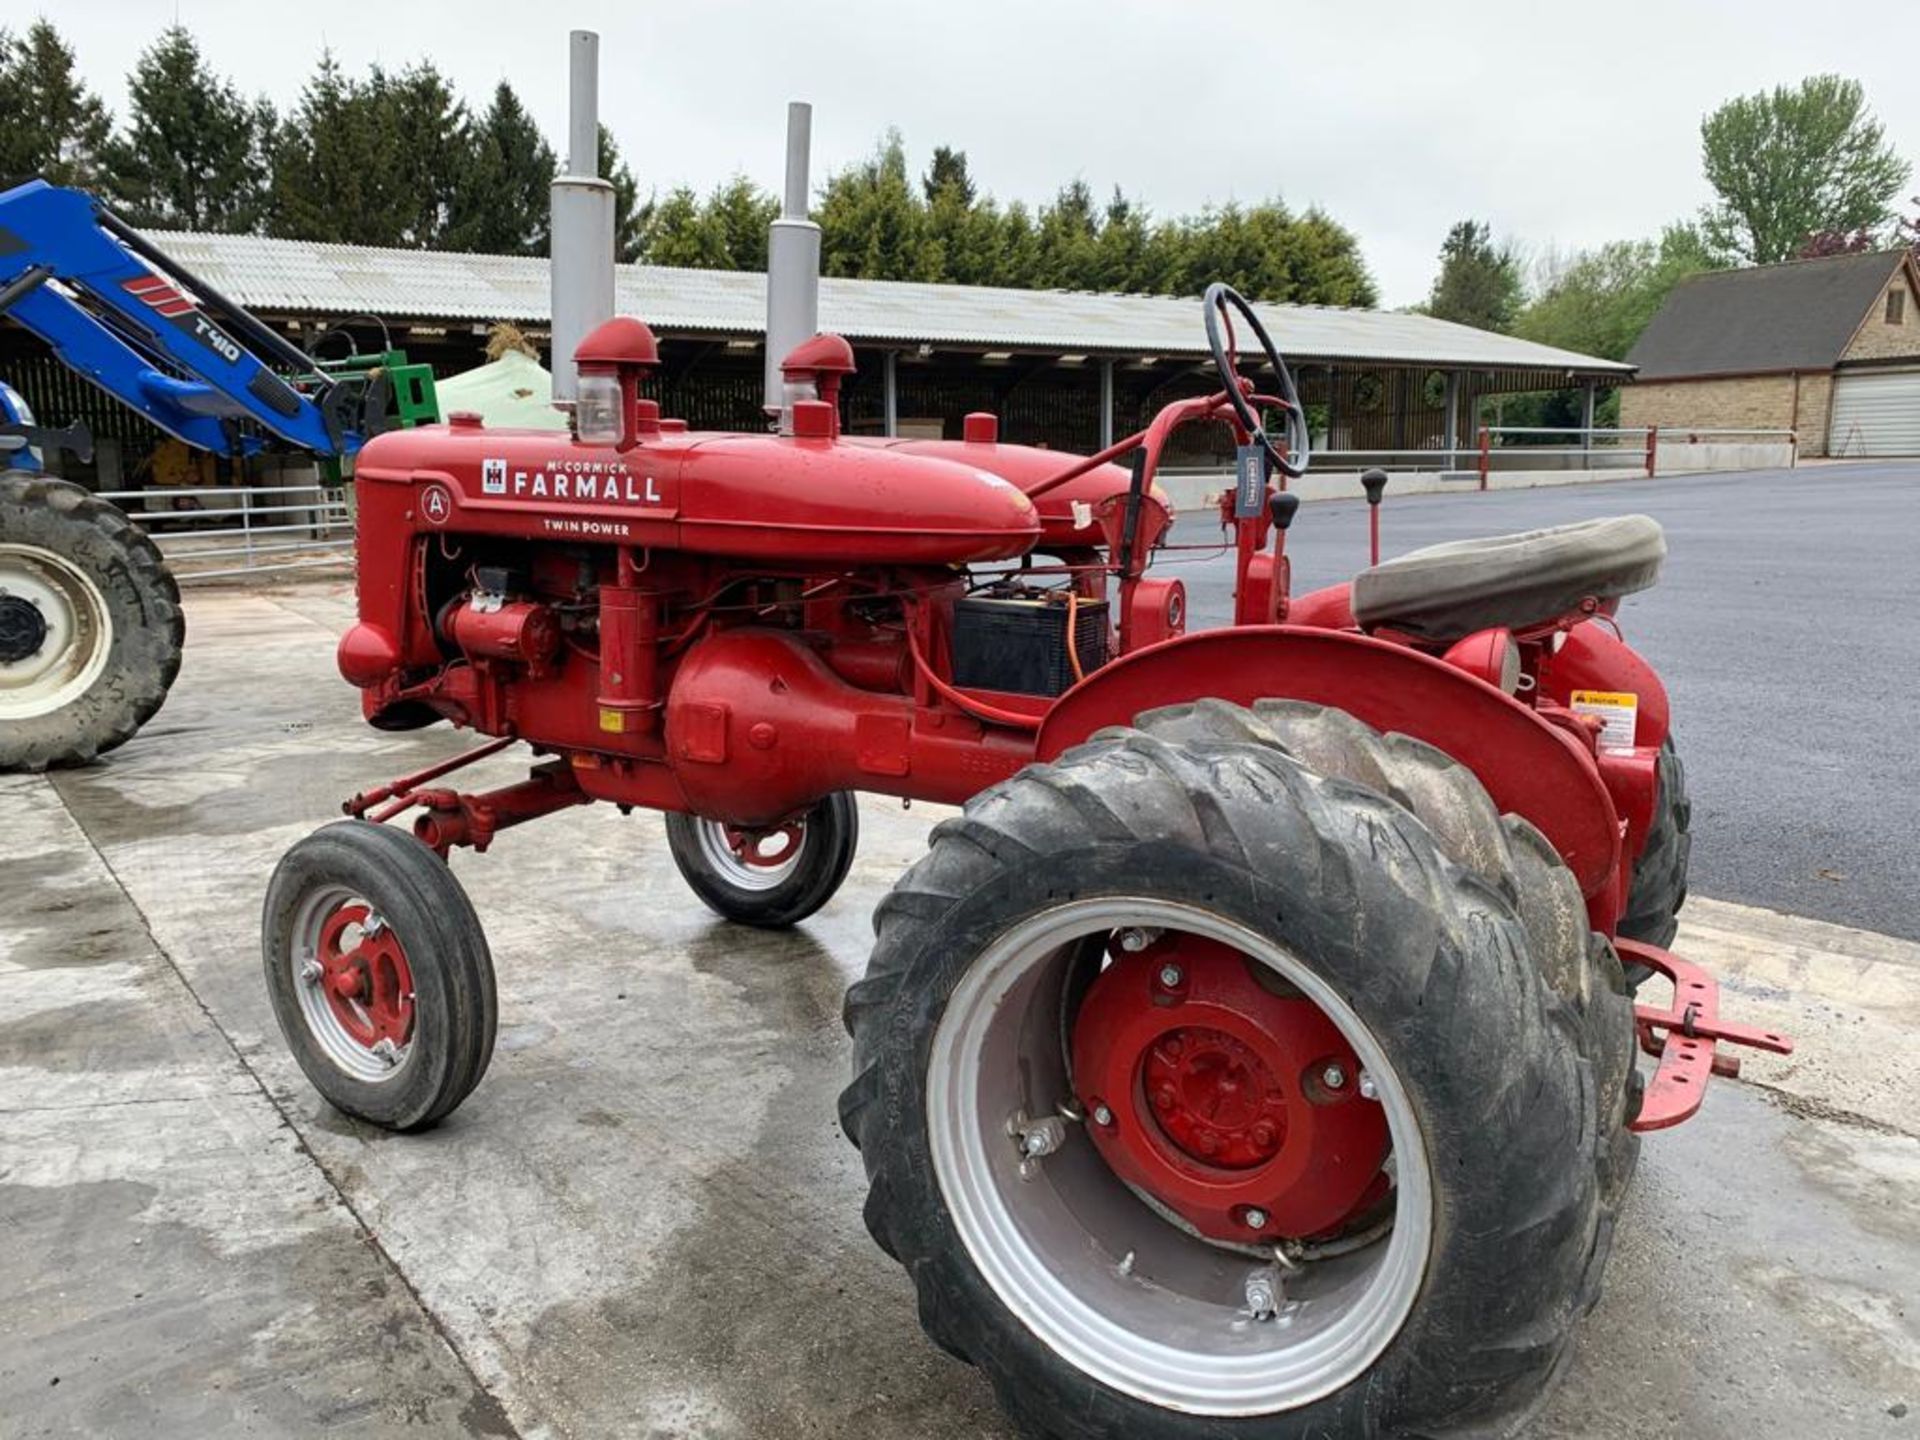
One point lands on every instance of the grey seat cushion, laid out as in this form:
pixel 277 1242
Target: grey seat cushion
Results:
pixel 1448 591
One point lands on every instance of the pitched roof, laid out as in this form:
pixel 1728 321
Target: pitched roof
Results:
pixel 305 277
pixel 1799 315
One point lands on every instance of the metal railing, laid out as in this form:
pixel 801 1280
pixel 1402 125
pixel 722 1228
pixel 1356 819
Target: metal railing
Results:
pixel 217 532
pixel 1638 444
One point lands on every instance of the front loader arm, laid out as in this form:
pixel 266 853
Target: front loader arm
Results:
pixel 118 313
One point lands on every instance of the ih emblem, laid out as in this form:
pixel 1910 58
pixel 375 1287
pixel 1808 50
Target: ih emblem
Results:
pixel 493 477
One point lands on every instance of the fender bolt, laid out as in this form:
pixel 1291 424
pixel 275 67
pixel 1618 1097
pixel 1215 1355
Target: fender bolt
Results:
pixel 1172 976
pixel 1256 1218
pixel 1333 1077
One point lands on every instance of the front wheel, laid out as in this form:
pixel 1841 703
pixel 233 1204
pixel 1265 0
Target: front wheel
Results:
pixel 379 974
pixel 1202 1096
pixel 772 877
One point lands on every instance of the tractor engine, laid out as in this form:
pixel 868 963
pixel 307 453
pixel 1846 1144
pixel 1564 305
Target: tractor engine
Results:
pixel 732 625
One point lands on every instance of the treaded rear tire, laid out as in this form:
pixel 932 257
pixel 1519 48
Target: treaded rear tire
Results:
pixel 1505 851
pixel 143 614
pixel 1437 961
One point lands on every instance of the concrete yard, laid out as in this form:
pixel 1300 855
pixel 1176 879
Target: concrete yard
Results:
pixel 645 1221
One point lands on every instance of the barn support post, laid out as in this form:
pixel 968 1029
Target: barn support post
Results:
pixel 890 392
pixel 1586 425
pixel 1452 437
pixel 1106 402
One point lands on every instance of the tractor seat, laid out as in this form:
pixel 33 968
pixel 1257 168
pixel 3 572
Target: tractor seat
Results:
pixel 1445 592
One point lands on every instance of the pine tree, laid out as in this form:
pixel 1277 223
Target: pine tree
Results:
pixel 679 231
pixel 1069 240
pixel 948 174
pixel 1479 282
pixel 50 125
pixel 871 220
pixel 738 213
pixel 194 153
pixel 378 161
pixel 503 206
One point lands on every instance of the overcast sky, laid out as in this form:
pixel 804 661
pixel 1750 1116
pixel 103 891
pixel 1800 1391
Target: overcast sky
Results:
pixel 1563 124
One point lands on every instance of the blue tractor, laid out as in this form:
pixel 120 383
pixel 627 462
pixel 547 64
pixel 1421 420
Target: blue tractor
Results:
pixel 90 620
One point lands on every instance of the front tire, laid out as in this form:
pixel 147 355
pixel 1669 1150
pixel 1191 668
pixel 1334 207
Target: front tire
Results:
pixel 90 625
pixel 379 974
pixel 1660 874
pixel 770 878
pixel 1096 1306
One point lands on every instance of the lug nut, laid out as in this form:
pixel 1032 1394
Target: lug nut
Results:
pixel 1369 1090
pixel 312 971
pixel 1133 940
pixel 1172 976
pixel 1102 1116
pixel 1255 1218
pixel 1333 1077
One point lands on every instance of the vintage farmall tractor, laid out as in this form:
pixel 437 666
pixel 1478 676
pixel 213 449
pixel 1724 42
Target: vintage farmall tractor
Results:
pixel 1253 1056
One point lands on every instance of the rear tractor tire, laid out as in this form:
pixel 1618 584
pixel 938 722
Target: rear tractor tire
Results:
pixel 1204 1095
pixel 379 974
pixel 770 878
pixel 90 625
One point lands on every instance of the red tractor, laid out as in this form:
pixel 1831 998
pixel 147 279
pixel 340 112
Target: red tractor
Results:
pixel 1254 1055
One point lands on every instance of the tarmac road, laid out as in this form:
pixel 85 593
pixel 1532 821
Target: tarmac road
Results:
pixel 1787 629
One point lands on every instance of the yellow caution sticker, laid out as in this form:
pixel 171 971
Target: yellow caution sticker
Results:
pixel 613 722
pixel 1618 712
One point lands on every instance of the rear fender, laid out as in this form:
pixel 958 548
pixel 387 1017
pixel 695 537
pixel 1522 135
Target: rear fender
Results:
pixel 1528 766
pixel 1593 657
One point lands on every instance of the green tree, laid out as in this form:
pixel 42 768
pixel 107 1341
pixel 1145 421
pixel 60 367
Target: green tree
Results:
pixel 50 125
pixel 871 219
pixel 503 203
pixel 948 174
pixel 629 215
pixel 1598 301
pixel 680 231
pixel 1069 240
pixel 738 213
pixel 1479 283
pixel 1788 162
pixel 194 154
pixel 375 161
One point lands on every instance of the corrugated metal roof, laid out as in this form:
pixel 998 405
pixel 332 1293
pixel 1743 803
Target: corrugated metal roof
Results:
pixel 1799 315
pixel 339 280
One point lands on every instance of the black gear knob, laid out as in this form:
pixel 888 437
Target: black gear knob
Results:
pixel 1281 506
pixel 1374 482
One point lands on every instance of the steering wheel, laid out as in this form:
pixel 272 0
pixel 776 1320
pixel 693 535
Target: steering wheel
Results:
pixel 1294 459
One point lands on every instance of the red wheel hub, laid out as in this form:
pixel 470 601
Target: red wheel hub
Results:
pixel 766 849
pixel 368 984
pixel 1229 1098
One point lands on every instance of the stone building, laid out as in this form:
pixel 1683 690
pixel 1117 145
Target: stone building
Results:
pixel 1829 349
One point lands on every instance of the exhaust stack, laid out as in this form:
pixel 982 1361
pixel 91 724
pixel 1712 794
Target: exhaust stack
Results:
pixel 581 268
pixel 793 263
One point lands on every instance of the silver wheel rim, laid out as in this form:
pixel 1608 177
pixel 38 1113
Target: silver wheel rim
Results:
pixel 79 632
pixel 716 848
pixel 335 1041
pixel 1168 1326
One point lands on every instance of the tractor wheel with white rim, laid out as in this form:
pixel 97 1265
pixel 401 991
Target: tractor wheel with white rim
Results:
pixel 90 625
pixel 1204 1095
pixel 772 877
pixel 379 974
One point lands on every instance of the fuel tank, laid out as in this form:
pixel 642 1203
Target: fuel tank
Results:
pixel 1066 512
pixel 777 498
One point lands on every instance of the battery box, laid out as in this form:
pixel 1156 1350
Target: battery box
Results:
pixel 1018 644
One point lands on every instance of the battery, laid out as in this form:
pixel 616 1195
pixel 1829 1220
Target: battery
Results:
pixel 1018 644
